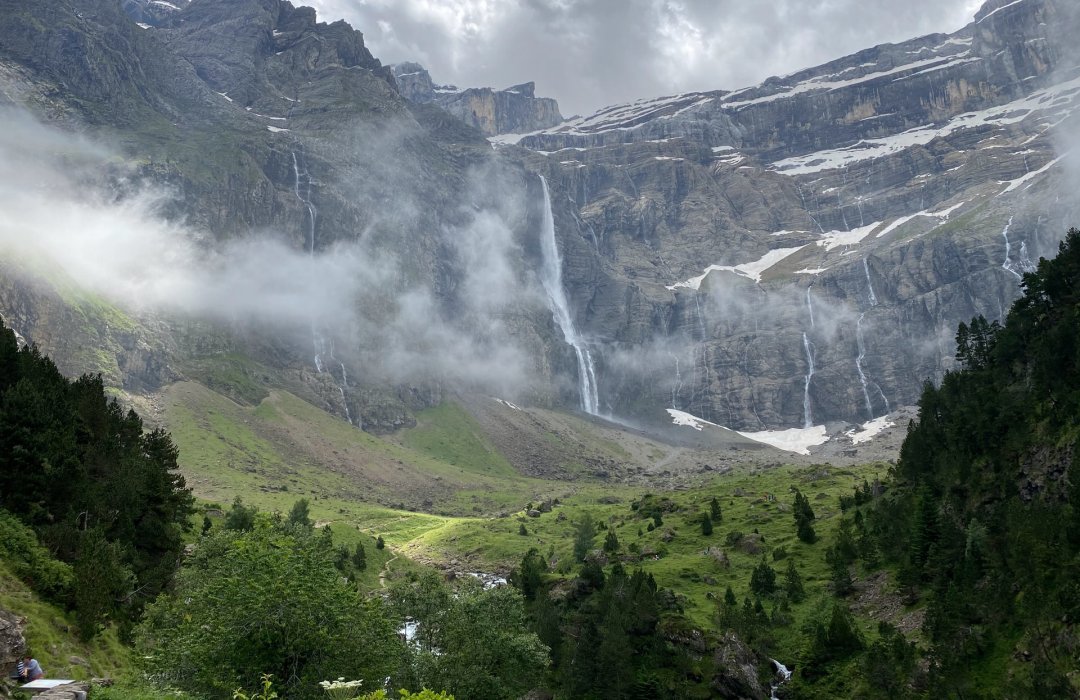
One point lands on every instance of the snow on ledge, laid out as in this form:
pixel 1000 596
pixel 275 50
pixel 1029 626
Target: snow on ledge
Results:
pixel 798 440
pixel 869 430
pixel 751 270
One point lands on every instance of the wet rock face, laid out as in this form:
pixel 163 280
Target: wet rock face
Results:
pixel 851 215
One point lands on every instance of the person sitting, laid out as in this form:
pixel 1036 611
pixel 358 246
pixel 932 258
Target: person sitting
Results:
pixel 29 670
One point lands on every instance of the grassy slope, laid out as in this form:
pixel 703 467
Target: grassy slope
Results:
pixel 352 478
pixel 50 634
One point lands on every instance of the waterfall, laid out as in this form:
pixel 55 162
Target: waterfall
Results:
pixel 810 306
pixel 1009 265
pixel 677 387
pixel 302 190
pixel 869 284
pixel 783 675
pixel 858 366
pixel 551 279
pixel 808 421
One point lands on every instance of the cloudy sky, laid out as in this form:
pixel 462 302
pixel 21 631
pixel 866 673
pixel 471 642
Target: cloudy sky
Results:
pixel 591 53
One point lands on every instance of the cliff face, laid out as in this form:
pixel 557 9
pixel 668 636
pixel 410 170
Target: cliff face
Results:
pixel 793 253
pixel 516 109
pixel 801 251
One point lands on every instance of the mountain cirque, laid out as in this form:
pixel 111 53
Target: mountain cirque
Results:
pixel 792 254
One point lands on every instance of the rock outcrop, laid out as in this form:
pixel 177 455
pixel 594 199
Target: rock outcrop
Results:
pixel 516 109
pixel 12 642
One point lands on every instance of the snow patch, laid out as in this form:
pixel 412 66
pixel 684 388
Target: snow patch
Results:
pixel 1015 184
pixel 751 270
pixel 276 130
pixel 798 440
pixel 869 430
pixel 835 239
pixel 1057 101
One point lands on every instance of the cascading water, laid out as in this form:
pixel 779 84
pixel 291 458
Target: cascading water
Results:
pixel 783 675
pixel 808 421
pixel 810 306
pixel 677 387
pixel 551 279
pixel 869 284
pixel 302 190
pixel 858 365
pixel 1009 266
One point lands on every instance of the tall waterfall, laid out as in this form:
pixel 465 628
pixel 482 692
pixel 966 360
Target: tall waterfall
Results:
pixel 808 420
pixel 858 366
pixel 551 279
pixel 302 190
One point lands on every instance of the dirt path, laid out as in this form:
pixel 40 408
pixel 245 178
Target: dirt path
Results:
pixel 385 571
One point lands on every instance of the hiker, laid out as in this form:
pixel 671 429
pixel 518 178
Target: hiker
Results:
pixel 29 670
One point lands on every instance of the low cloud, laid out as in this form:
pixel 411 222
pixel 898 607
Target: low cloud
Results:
pixel 69 208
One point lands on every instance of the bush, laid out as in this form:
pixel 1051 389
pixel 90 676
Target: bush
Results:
pixel 31 562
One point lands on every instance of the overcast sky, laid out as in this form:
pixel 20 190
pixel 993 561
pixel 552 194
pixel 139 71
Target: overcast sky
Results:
pixel 592 53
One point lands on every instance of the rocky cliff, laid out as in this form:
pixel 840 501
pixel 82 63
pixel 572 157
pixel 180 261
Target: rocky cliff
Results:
pixel 789 254
pixel 516 109
pixel 801 251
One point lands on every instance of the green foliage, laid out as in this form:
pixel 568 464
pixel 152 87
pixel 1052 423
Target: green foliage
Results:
pixel 91 482
pixel 530 575
pixel 980 518
pixel 240 517
pixel 584 533
pixel 300 515
pixel 470 641
pixel 793 585
pixel 804 517
pixel 31 562
pixel 522 530
pixel 611 542
pixel 265 601
pixel 763 580
pixel 380 543
pixel 714 510
pixel 266 692
pixel 706 524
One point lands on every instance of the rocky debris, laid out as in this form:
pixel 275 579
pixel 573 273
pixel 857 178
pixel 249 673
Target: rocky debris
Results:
pixel 736 675
pixel 874 598
pixel 751 543
pixel 12 641
pixel 719 556
pixel 516 109
pixel 68 691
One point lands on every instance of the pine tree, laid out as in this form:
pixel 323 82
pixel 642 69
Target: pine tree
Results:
pixel 584 533
pixel 793 584
pixel 763 579
pixel 706 524
pixel 611 542
pixel 380 543
pixel 714 510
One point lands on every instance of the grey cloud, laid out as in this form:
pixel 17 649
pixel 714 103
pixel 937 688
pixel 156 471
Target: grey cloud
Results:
pixel 589 53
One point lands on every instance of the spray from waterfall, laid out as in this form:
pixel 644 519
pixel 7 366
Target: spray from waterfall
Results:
pixel 810 305
pixel 551 279
pixel 808 420
pixel 302 190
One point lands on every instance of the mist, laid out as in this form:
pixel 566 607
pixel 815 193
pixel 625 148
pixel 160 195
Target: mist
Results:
pixel 72 211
